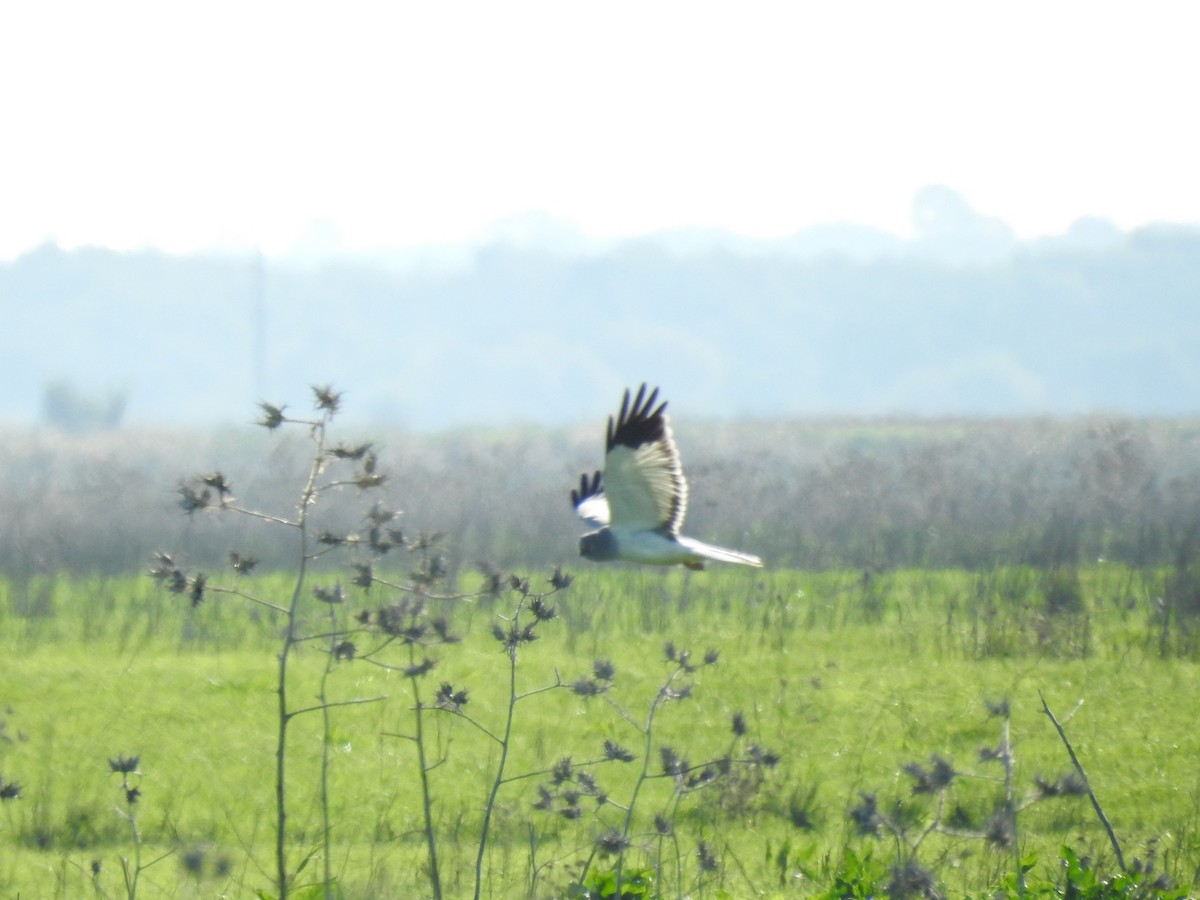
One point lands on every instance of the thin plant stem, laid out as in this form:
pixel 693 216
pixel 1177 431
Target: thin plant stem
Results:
pixel 289 639
pixel 499 779
pixel 1112 836
pixel 435 879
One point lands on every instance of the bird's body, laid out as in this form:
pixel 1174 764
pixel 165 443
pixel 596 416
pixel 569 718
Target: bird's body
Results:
pixel 640 500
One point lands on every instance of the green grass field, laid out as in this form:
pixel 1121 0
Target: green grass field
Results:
pixel 846 677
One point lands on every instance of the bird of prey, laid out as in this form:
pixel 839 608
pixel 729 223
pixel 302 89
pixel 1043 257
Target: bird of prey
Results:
pixel 639 501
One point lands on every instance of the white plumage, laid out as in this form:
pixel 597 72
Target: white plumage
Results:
pixel 639 502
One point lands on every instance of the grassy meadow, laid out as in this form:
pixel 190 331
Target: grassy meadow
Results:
pixel 184 666
pixel 845 677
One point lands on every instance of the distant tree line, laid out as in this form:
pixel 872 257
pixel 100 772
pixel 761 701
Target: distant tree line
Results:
pixel 817 494
pixel 527 335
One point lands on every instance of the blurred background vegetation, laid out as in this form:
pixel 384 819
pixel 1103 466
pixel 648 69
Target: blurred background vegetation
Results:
pixel 819 494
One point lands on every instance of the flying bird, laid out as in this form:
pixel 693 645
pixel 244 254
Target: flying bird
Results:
pixel 639 501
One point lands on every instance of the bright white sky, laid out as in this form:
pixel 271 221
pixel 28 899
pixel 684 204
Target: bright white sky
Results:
pixel 188 125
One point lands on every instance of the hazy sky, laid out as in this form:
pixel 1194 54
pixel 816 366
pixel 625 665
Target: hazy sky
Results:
pixel 188 125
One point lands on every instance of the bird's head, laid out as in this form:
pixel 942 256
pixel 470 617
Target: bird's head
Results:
pixel 598 546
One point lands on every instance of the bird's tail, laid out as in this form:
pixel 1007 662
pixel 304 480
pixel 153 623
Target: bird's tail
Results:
pixel 720 554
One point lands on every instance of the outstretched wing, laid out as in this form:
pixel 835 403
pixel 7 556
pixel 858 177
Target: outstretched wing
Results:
pixel 589 501
pixel 643 478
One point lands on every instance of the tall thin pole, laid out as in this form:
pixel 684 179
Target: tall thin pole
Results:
pixel 258 303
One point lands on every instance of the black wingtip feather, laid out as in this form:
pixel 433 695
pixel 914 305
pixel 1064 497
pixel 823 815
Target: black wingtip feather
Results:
pixel 587 489
pixel 638 423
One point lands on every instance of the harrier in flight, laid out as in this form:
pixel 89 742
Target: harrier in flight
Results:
pixel 639 501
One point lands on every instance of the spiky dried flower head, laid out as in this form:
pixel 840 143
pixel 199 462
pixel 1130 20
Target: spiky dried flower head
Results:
pixel 169 575
pixel 124 765
pixel 865 816
pixel 367 477
pixel 1001 829
pixel 326 399
pixel 514 636
pixel 192 498
pixel 364 575
pixel 270 416
pixel 243 565
pixel 997 708
pixel 588 687
pixel 739 724
pixel 562 770
pixel 1069 785
pixel 450 698
pixel 932 780
pixel 760 756
pixel 344 650
pixel 195 588
pixel 672 762
pixel 9 790
pixel 560 580
pixel 218 482
pixel 542 611
pixel 614 751
pixel 331 595
pixel 421 667
pixel 545 800
pixel 612 842
pixel 708 859
pixel 355 452
pixel 911 879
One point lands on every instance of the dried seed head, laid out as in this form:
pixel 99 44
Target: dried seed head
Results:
pixel 450 699
pixel 865 816
pixel 612 842
pixel 417 669
pixel 672 762
pixel 192 499
pixel 271 416
pixel 331 595
pixel 342 451
pixel 243 565
pixel 124 765
pixel 614 751
pixel 587 687
pixel 545 801
pixel 562 770
pixel 218 483
pixel 195 588
pixel 326 398
pixel 911 879
pixel 560 580
pixel 542 611
pixel 364 577
pixel 937 778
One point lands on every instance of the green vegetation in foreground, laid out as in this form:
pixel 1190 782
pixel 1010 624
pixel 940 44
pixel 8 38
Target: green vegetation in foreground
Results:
pixel 847 677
